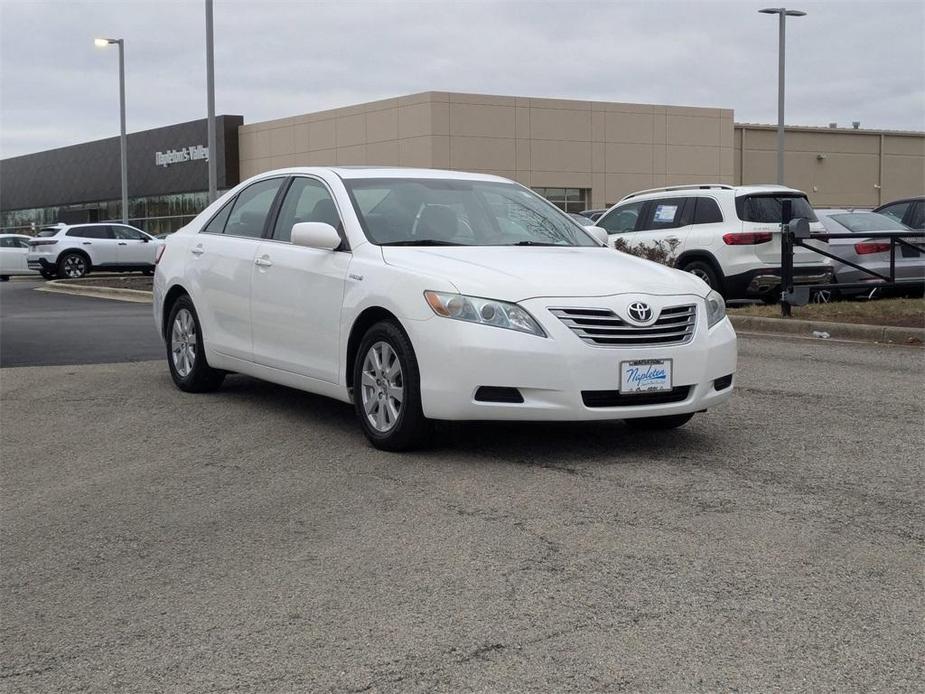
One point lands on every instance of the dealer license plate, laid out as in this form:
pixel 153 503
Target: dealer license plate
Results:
pixel 645 376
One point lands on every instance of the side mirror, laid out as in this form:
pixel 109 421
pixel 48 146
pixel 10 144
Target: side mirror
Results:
pixel 599 233
pixel 315 235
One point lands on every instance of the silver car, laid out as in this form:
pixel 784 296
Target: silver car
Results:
pixel 872 253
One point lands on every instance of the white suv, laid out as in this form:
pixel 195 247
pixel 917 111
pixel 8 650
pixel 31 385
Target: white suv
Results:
pixel 71 251
pixel 729 236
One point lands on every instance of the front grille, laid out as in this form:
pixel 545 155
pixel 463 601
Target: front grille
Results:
pixel 614 398
pixel 604 328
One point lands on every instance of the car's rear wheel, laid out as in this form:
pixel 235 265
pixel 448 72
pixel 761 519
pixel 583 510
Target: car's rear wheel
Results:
pixel 387 390
pixel 667 422
pixel 73 266
pixel 704 271
pixel 185 353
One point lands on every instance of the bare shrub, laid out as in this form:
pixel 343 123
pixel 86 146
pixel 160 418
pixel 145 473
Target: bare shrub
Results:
pixel 664 252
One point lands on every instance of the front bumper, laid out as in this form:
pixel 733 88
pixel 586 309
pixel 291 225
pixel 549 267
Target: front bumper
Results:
pixel 765 281
pixel 552 373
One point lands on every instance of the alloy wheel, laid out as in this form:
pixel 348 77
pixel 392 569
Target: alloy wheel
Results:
pixel 697 272
pixel 183 342
pixel 383 387
pixel 75 266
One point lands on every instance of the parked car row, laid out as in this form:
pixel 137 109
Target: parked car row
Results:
pixel 729 236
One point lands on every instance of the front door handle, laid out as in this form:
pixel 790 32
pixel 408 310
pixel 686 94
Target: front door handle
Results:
pixel 87 243
pixel 263 261
pixel 198 250
pixel 122 243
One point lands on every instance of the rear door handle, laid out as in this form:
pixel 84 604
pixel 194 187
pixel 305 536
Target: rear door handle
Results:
pixel 122 243
pixel 263 261
pixel 198 250
pixel 87 243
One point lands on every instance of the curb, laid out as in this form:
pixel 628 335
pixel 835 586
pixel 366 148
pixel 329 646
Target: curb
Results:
pixel 836 331
pixel 137 296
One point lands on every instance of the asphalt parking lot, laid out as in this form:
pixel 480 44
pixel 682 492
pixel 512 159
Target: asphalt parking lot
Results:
pixel 42 328
pixel 250 540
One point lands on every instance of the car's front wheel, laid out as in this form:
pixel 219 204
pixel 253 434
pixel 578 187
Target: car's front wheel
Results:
pixel 73 266
pixel 185 353
pixel 387 390
pixel 667 422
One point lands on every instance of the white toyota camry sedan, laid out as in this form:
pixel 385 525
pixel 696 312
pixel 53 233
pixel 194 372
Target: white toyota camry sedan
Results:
pixel 421 295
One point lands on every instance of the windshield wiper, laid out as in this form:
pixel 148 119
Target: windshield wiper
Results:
pixel 421 242
pixel 537 243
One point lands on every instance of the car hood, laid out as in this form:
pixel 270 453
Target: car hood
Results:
pixel 517 273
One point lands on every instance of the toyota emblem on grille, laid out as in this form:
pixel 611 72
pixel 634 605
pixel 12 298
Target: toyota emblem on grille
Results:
pixel 639 312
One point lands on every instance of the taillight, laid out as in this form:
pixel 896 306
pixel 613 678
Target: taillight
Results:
pixel 43 242
pixel 868 247
pixel 159 253
pixel 746 238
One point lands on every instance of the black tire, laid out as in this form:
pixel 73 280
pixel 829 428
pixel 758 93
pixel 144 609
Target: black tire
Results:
pixel 72 266
pixel 410 429
pixel 704 271
pixel 48 274
pixel 200 378
pixel 4 278
pixel 655 423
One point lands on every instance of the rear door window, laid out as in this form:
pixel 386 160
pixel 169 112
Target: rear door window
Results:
pixel 667 213
pixel 622 219
pixel 216 225
pixel 99 231
pixel 251 207
pixel 768 209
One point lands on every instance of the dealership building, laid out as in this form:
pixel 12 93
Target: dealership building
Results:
pixel 579 154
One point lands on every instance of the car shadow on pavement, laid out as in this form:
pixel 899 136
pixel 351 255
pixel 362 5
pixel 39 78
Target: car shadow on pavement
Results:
pixel 547 444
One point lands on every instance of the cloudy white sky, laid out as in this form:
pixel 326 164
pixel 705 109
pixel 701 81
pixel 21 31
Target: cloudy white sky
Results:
pixel 846 61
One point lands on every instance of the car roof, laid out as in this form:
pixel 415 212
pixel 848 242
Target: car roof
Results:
pixel 355 172
pixel 914 198
pixel 708 188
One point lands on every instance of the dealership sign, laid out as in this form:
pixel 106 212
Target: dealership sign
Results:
pixel 179 156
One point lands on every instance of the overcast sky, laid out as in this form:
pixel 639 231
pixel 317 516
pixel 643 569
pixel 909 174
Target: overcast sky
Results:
pixel 846 61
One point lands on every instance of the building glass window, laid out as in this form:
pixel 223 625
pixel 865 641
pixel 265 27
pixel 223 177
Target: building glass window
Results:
pixel 156 214
pixel 566 199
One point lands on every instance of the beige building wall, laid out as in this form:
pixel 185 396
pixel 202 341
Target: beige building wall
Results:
pixel 835 166
pixel 608 149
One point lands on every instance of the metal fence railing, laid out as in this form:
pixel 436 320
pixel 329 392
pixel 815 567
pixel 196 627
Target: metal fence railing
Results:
pixel 796 233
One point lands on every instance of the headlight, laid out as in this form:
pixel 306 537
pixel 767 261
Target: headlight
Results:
pixel 472 309
pixel 716 308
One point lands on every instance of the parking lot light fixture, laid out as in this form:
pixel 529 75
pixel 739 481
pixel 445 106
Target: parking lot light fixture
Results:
pixel 782 13
pixel 102 43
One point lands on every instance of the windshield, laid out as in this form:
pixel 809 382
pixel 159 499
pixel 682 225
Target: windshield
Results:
pixel 448 212
pixel 868 221
pixel 766 209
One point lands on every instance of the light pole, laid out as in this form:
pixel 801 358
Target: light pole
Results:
pixel 783 13
pixel 210 99
pixel 102 43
